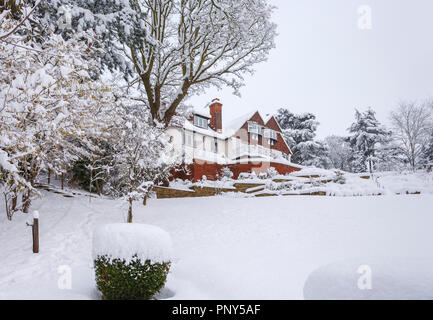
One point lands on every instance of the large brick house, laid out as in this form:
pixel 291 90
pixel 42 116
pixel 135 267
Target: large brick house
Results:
pixel 248 144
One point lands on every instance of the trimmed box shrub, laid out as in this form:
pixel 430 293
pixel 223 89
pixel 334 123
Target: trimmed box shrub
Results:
pixel 131 261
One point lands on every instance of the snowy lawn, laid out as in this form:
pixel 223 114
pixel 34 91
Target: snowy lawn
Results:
pixel 225 248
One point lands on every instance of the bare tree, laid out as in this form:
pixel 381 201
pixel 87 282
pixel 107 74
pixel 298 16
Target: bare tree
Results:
pixel 412 123
pixel 339 152
pixel 194 44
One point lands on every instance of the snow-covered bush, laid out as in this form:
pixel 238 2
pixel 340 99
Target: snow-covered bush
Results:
pixel 226 173
pixel 272 172
pixel 263 175
pixel 143 154
pixel 131 261
pixel 247 176
pixel 339 177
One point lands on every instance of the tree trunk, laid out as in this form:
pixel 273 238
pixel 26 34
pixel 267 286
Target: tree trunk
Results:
pixel 98 188
pixel 9 212
pixel 63 180
pixel 14 201
pixel 145 200
pixel 130 211
pixel 26 201
pixel 49 176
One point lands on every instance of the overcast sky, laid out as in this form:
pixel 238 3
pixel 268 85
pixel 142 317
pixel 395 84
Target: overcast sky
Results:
pixel 325 64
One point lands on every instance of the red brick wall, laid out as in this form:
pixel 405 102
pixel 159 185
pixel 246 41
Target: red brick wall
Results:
pixel 281 145
pixel 272 124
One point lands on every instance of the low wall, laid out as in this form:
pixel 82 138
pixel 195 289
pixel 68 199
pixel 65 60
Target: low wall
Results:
pixel 196 192
pixel 167 193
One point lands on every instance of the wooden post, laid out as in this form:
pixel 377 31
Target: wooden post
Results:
pixel 49 176
pixel 63 180
pixel 35 232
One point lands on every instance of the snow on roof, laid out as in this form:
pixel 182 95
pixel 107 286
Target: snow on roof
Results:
pixel 209 131
pixel 204 112
pixel 237 123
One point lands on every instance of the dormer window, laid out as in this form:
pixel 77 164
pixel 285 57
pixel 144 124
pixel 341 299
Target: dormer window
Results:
pixel 253 127
pixel 271 134
pixel 200 122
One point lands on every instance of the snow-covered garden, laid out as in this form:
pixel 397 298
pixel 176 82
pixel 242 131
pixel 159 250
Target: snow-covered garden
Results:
pixel 232 248
pixel 88 91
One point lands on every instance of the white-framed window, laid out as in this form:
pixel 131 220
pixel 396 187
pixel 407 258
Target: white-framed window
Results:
pixel 215 145
pixel 189 140
pixel 270 134
pixel 200 122
pixel 253 127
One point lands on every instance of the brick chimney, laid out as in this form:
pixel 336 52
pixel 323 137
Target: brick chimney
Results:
pixel 216 113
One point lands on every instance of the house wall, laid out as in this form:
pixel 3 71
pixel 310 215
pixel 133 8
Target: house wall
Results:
pixel 243 133
pixel 202 146
pixel 281 144
pixel 245 136
pixel 201 161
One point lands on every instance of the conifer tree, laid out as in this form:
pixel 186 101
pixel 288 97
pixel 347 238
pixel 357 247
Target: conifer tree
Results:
pixel 366 136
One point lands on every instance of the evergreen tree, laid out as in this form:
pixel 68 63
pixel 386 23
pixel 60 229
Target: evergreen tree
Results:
pixel 117 24
pixel 299 131
pixel 367 135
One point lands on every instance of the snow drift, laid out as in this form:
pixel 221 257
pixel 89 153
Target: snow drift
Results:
pixel 372 279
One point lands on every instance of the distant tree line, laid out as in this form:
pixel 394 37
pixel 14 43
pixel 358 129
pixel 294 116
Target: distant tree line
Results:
pixel 369 145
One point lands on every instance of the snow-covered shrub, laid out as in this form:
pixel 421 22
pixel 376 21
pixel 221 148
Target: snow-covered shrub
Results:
pixel 51 107
pixel 131 261
pixel 247 176
pixel 226 173
pixel 274 186
pixel 263 175
pixel 272 172
pixel 339 177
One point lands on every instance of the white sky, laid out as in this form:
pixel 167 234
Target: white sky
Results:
pixel 325 64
